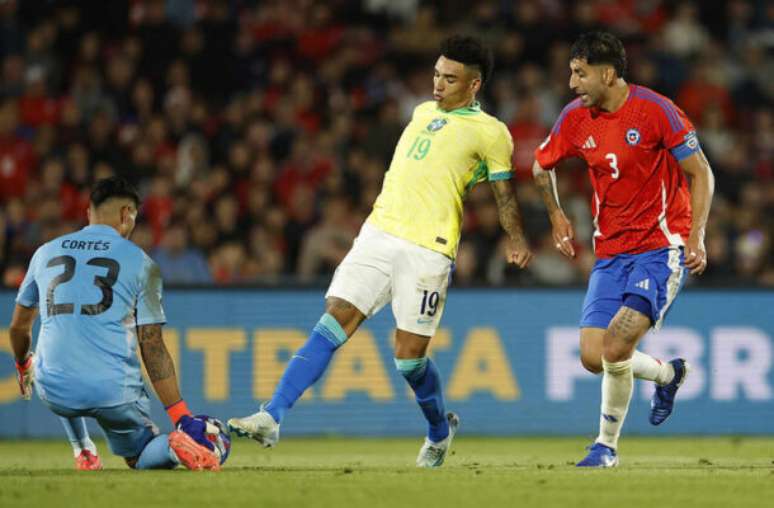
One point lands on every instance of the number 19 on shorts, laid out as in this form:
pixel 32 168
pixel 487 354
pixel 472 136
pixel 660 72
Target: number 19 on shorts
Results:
pixel 429 303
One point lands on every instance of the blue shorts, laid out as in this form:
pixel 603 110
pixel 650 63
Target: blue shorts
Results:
pixel 656 275
pixel 128 427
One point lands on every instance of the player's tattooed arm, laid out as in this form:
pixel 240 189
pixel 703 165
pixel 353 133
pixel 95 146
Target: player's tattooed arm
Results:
pixel 508 208
pixel 562 233
pixel 546 184
pixel 510 219
pixel 702 188
pixel 158 363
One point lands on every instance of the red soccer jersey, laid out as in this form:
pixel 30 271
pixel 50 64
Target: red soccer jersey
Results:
pixel 641 200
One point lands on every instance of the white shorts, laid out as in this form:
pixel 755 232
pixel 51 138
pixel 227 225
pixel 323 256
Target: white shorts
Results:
pixel 381 268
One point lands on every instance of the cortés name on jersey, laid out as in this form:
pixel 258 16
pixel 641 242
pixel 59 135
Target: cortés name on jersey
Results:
pixel 97 245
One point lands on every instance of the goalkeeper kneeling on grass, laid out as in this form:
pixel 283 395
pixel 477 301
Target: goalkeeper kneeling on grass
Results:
pixel 99 295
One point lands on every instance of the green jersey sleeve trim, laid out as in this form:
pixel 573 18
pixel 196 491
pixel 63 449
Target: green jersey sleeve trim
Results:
pixel 481 172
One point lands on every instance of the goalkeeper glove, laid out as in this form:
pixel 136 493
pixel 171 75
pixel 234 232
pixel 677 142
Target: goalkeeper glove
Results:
pixel 25 375
pixel 183 420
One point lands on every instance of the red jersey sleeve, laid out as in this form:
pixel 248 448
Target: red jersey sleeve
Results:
pixel 557 146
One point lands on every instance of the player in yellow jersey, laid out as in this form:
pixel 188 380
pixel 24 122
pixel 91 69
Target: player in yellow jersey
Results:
pixel 405 250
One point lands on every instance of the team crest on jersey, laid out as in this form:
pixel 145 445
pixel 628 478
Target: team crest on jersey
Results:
pixel 437 124
pixel 633 136
pixel 691 141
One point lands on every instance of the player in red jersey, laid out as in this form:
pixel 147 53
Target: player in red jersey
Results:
pixel 649 227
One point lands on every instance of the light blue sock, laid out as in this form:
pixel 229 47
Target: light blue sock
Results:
pixel 307 365
pixel 157 455
pixel 78 434
pixel 423 377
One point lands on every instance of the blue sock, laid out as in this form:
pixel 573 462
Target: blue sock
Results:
pixel 307 365
pixel 423 377
pixel 157 455
pixel 75 428
pixel 77 434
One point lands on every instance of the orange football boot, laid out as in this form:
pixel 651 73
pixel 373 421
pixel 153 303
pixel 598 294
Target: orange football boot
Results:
pixel 191 454
pixel 87 461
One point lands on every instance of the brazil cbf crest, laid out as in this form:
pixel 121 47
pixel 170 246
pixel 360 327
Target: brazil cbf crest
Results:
pixel 633 136
pixel 437 124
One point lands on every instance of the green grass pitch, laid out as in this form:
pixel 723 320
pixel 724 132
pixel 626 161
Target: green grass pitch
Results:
pixel 346 473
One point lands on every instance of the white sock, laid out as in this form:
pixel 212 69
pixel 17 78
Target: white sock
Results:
pixel 617 385
pixel 88 444
pixel 84 444
pixel 646 367
pixel 76 448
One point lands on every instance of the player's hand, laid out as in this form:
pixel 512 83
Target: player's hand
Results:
pixel 562 233
pixel 518 252
pixel 25 375
pixel 696 254
pixel 196 428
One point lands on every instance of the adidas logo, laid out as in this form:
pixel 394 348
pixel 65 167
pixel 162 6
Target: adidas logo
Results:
pixel 590 143
pixel 643 284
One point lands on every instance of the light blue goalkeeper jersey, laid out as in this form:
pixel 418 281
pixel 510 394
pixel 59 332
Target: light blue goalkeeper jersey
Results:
pixel 93 288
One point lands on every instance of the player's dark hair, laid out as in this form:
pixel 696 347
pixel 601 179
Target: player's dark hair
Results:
pixel 113 187
pixel 600 48
pixel 471 52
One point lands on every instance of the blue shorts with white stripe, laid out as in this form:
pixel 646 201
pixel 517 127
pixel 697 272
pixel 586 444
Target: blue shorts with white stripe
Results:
pixel 656 275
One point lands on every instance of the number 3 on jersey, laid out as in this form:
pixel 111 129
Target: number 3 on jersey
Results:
pixel 419 149
pixel 613 158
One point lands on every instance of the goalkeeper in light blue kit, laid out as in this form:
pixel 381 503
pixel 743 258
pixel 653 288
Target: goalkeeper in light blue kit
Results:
pixel 99 295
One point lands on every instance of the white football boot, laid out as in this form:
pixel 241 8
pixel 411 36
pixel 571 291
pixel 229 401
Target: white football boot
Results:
pixel 259 426
pixel 433 454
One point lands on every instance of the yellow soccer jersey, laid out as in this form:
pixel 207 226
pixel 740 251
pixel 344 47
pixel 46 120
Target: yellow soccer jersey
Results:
pixel 440 156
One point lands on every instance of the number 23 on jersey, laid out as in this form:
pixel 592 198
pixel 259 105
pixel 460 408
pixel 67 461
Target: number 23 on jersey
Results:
pixel 104 282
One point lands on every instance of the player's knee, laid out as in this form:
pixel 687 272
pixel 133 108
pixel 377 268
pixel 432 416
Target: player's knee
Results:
pixel 410 345
pixel 408 349
pixel 411 368
pixel 346 315
pixel 617 349
pixel 592 363
pixel 131 462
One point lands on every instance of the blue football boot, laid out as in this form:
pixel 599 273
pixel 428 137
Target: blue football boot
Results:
pixel 663 401
pixel 599 456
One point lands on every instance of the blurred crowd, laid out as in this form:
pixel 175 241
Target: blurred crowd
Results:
pixel 259 132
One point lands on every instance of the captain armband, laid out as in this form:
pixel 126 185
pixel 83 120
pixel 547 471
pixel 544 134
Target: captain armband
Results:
pixel 688 147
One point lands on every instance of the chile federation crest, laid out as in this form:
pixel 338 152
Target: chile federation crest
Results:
pixel 633 137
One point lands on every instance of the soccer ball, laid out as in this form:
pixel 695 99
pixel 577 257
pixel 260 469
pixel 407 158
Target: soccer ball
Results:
pixel 219 436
